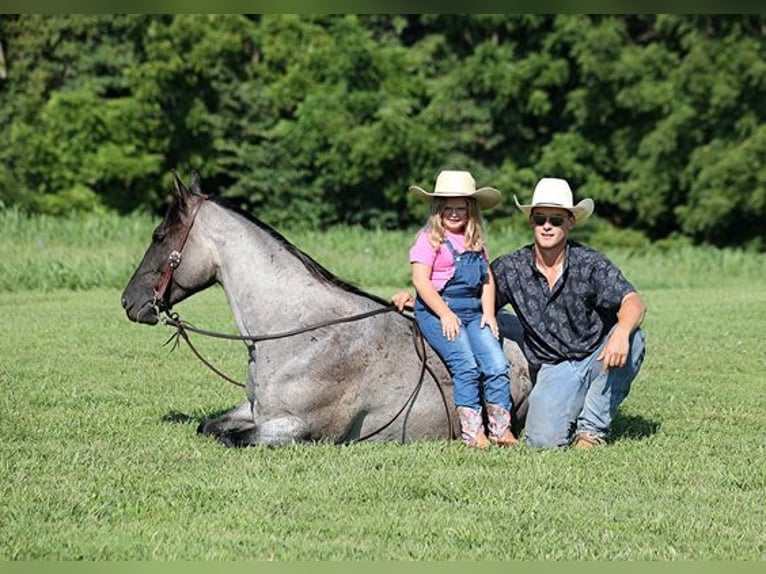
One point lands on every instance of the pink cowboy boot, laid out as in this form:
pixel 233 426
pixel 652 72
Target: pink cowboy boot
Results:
pixel 472 427
pixel 500 426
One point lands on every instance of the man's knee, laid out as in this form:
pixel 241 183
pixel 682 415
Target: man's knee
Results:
pixel 547 432
pixel 546 438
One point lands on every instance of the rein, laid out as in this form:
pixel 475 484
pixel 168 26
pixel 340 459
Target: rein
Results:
pixel 183 328
pixel 173 320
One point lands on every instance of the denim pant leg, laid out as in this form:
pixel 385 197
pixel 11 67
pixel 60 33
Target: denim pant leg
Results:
pixel 458 357
pixel 492 363
pixel 606 391
pixel 554 404
pixel 577 394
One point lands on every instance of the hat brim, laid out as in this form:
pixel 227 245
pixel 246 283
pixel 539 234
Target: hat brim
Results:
pixel 486 197
pixel 581 211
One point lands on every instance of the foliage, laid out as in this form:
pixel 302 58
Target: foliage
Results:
pixel 318 120
pixel 79 137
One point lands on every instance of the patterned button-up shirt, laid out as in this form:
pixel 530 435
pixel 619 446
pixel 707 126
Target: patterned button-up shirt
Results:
pixel 570 320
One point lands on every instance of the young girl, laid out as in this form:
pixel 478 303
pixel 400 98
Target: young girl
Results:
pixel 455 305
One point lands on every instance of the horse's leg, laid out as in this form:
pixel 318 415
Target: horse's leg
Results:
pixel 274 432
pixel 235 421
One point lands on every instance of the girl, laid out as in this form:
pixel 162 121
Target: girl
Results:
pixel 455 305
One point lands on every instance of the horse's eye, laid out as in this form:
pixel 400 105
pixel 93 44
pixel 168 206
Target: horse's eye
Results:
pixel 158 235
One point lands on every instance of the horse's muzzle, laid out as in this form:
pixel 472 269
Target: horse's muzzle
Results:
pixel 146 313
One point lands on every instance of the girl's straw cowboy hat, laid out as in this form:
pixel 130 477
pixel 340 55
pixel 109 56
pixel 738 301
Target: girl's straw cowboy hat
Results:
pixel 459 184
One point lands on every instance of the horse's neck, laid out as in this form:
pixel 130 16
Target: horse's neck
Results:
pixel 267 286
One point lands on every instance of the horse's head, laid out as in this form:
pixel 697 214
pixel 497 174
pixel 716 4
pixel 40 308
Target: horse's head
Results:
pixel 173 266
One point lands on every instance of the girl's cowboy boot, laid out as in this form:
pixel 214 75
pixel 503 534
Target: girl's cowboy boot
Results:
pixel 472 427
pixel 500 426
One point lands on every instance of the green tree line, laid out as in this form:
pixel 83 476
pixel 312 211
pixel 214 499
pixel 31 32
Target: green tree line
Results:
pixel 318 120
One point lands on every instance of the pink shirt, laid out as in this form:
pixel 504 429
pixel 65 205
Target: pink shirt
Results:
pixel 440 260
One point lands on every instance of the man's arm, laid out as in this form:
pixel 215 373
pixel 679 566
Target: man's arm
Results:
pixel 631 312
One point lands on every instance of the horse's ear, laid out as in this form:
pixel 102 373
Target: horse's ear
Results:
pixel 180 191
pixel 196 187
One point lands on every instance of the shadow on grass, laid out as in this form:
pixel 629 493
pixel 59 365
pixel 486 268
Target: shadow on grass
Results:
pixel 624 427
pixel 631 427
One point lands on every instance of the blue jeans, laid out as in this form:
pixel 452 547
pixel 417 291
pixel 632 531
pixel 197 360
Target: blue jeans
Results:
pixel 474 359
pixel 577 397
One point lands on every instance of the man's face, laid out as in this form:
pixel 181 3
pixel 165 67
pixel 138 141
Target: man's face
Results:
pixel 551 225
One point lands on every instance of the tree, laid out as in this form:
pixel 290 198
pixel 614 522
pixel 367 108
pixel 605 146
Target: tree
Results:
pixel 77 139
pixel 327 119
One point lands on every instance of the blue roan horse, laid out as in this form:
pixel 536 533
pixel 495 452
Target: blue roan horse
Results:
pixel 351 370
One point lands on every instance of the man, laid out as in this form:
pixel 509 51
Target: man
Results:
pixel 580 323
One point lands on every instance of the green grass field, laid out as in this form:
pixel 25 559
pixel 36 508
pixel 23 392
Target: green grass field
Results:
pixel 100 460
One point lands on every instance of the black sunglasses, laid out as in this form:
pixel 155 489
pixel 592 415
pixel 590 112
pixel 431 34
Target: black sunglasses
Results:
pixel 540 219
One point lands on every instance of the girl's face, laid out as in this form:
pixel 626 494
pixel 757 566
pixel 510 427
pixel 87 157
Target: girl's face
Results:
pixel 455 214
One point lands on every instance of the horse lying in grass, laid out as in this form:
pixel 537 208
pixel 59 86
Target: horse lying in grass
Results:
pixel 343 366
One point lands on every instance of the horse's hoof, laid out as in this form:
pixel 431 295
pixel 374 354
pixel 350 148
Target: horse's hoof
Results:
pixel 229 441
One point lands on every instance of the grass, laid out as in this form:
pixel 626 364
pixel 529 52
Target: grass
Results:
pixel 44 253
pixel 99 458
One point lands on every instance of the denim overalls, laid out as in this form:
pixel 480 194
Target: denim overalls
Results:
pixel 475 358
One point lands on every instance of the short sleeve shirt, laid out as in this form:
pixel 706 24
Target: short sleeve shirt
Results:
pixel 571 320
pixel 440 260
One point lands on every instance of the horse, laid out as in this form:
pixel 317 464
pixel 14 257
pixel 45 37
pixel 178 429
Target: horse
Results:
pixel 344 364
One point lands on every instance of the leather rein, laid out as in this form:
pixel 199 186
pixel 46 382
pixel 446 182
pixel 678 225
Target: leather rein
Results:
pixel 162 304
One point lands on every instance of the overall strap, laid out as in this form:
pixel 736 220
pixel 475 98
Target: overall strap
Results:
pixel 451 248
pixel 455 252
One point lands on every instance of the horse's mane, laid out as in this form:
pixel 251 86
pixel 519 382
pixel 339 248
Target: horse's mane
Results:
pixel 313 266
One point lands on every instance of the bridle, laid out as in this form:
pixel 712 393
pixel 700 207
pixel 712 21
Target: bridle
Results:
pixel 162 305
pixel 161 294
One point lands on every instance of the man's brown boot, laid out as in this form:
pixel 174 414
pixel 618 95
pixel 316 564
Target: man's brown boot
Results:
pixel 584 440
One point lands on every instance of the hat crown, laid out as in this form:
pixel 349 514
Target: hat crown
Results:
pixel 554 192
pixel 450 182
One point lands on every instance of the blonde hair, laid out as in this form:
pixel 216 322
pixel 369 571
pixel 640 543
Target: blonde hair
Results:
pixel 474 227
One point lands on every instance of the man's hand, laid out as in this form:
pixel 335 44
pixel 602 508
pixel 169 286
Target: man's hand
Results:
pixel 615 352
pixel 629 316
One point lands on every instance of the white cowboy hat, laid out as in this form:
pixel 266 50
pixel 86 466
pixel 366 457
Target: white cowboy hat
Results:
pixel 459 184
pixel 555 192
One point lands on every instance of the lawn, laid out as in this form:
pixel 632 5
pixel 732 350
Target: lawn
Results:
pixel 101 459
